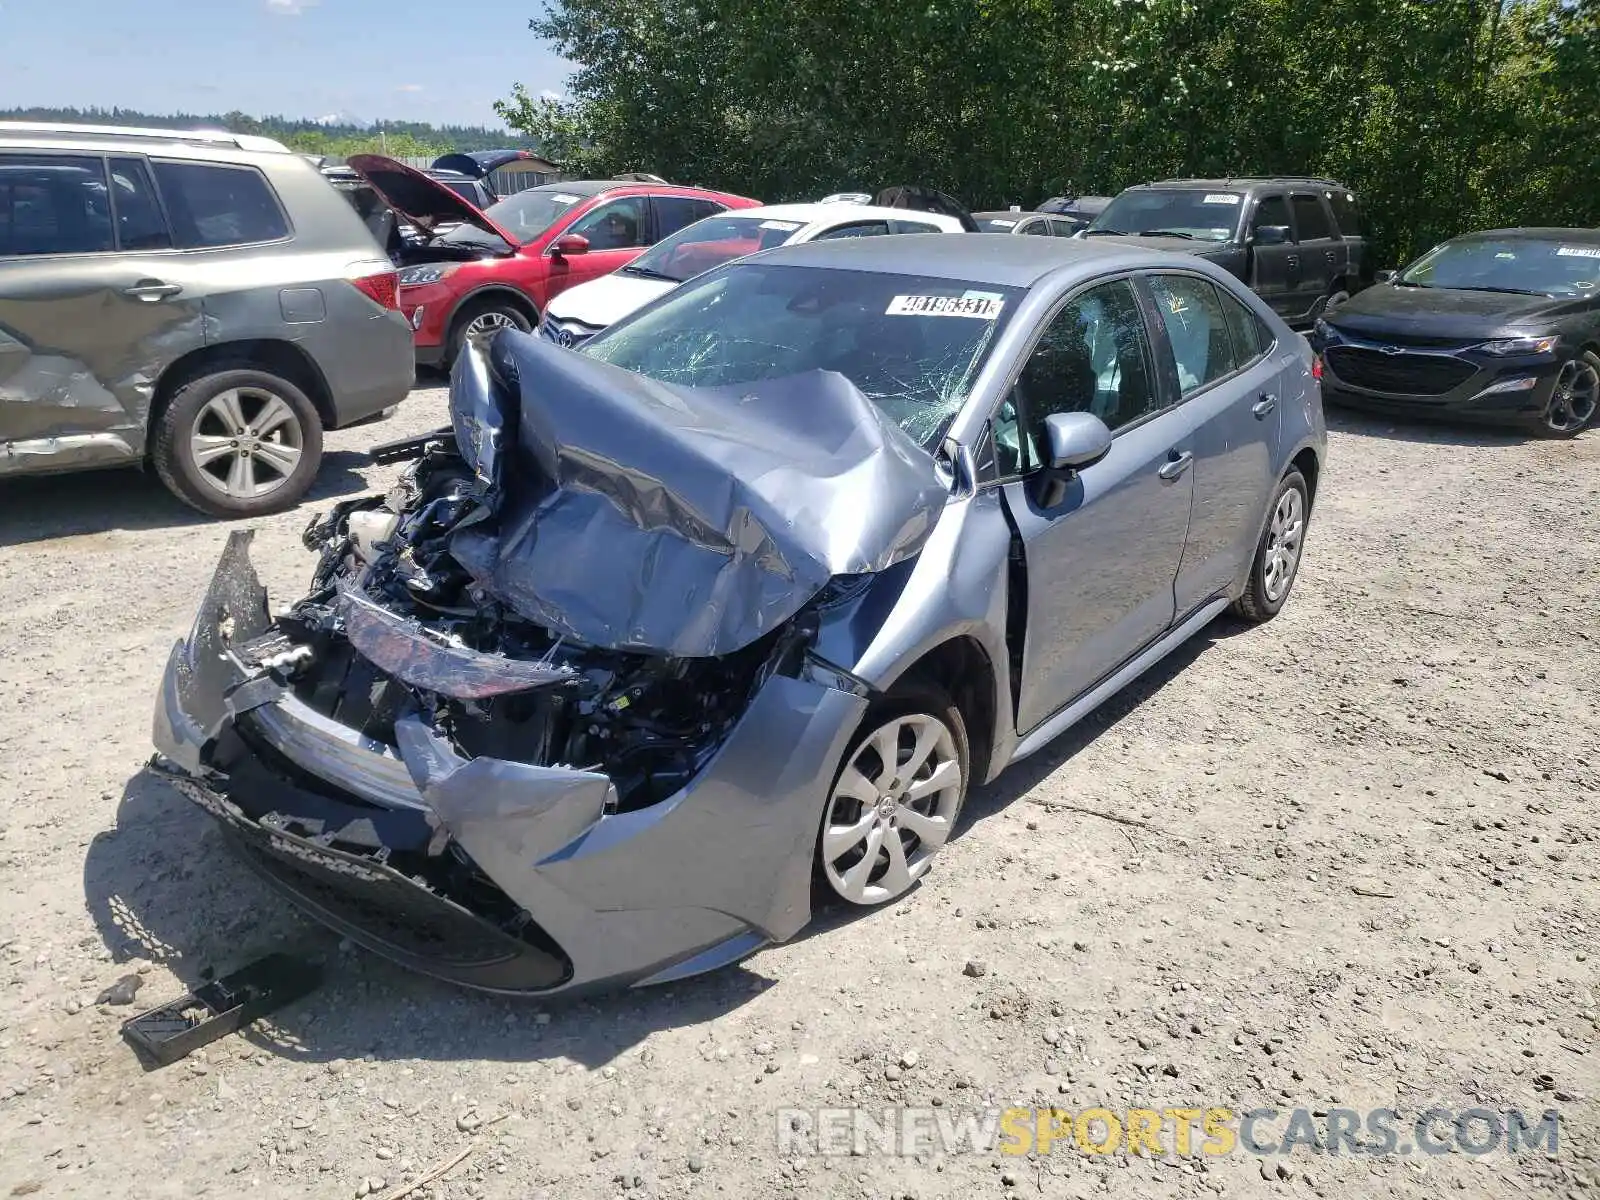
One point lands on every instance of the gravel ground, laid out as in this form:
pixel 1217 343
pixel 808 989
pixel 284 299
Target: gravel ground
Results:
pixel 1353 864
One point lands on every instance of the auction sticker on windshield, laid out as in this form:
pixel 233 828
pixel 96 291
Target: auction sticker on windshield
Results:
pixel 1578 252
pixel 1221 198
pixel 984 308
pixel 563 198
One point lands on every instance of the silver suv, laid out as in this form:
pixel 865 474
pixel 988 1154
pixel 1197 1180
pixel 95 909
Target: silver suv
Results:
pixel 204 303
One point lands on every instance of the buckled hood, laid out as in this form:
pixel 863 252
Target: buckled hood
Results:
pixel 635 515
pixel 480 164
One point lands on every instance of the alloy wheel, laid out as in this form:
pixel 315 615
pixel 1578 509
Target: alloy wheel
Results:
pixel 1573 400
pixel 489 322
pixel 246 442
pixel 892 809
pixel 1284 538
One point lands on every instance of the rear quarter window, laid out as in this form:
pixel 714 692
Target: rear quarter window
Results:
pixel 212 206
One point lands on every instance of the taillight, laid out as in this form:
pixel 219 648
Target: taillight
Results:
pixel 381 285
pixel 1316 368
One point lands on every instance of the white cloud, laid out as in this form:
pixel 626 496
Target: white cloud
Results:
pixel 288 8
pixel 410 87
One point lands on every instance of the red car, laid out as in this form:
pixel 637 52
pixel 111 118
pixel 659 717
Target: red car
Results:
pixel 473 269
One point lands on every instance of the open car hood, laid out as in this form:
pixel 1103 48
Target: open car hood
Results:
pixel 926 199
pixel 635 515
pixel 480 163
pixel 425 202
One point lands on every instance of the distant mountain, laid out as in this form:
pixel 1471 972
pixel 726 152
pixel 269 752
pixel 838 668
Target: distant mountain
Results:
pixel 343 120
pixel 335 133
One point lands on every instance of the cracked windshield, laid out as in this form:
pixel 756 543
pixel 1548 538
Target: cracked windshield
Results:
pixel 911 344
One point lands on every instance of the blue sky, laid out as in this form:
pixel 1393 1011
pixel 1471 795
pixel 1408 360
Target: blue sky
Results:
pixel 420 60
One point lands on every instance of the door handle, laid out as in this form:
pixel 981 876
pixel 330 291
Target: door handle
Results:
pixel 151 290
pixel 1293 260
pixel 1264 406
pixel 1330 256
pixel 1177 463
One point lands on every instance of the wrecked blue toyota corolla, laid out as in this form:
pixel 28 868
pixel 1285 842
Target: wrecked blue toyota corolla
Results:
pixel 659 640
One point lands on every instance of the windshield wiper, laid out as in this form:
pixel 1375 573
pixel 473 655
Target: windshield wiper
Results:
pixel 650 273
pixel 1108 232
pixel 1510 291
pixel 1177 233
pixel 1410 283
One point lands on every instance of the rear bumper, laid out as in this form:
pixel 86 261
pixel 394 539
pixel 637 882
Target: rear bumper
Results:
pixel 367 366
pixel 489 873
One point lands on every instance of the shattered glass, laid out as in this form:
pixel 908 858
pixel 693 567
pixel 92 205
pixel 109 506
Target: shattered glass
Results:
pixel 760 323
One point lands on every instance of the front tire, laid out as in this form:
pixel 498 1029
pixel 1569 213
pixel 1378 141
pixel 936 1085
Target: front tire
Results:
pixel 480 318
pixel 1277 558
pixel 1574 398
pixel 238 443
pixel 895 798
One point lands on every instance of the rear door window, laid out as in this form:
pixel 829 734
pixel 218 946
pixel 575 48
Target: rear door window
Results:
pixel 1197 329
pixel 54 204
pixel 913 227
pixel 1346 213
pixel 1037 228
pixel 1312 223
pixel 212 206
pixel 140 223
pixel 675 212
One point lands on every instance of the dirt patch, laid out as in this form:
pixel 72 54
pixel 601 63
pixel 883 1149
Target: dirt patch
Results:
pixel 1357 869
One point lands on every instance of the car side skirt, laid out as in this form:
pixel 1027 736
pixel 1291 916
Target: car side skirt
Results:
pixel 1053 727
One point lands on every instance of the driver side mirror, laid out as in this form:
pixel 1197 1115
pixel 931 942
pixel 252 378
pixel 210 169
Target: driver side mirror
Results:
pixel 570 243
pixel 1384 277
pixel 1074 440
pixel 1271 235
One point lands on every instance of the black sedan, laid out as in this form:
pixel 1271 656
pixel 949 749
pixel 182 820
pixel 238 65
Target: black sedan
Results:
pixel 1500 326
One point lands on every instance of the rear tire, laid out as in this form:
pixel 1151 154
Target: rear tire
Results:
pixel 480 317
pixel 1332 301
pixel 238 443
pixel 1277 560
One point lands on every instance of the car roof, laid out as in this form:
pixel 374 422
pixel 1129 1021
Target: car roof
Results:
pixel 101 139
pixel 1535 233
pixel 1242 183
pixel 594 187
pixel 1006 214
pixel 973 258
pixel 839 211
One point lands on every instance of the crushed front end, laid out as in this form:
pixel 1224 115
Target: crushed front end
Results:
pixel 489 798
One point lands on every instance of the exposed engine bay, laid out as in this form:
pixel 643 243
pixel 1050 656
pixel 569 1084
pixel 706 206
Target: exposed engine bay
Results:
pixel 648 721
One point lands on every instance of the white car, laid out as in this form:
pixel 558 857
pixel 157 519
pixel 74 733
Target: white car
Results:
pixel 579 313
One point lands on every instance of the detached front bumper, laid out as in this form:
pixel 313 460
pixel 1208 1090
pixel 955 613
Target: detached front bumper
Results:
pixel 491 873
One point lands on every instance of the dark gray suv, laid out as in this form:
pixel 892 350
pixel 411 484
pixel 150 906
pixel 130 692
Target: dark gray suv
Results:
pixel 202 303
pixel 1297 242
